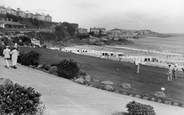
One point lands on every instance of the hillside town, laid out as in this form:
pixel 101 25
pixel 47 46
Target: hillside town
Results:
pixel 25 14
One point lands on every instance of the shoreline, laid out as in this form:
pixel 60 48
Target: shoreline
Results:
pixel 151 51
pixel 131 54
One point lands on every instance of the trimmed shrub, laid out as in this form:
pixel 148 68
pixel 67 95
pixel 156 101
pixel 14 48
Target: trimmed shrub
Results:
pixel 68 69
pixel 135 108
pixel 18 100
pixel 46 66
pixel 30 58
pixel 53 70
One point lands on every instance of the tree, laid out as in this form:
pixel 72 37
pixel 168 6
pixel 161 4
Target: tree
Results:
pixel 69 28
pixel 10 16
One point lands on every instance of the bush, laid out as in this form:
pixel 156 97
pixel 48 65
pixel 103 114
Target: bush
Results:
pixel 68 69
pixel 31 58
pixel 46 66
pixel 53 69
pixel 1 50
pixel 19 100
pixel 135 108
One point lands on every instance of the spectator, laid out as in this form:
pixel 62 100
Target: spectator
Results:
pixel 137 64
pixel 174 71
pixel 169 74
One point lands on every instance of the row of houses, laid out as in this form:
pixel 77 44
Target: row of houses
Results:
pixel 94 30
pixel 25 14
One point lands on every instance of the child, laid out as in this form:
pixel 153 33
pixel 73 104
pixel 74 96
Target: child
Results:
pixel 6 53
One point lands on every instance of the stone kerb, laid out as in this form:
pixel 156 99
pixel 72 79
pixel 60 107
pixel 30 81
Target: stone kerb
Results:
pixel 108 88
pixel 107 82
pixel 80 80
pixel 87 78
pixel 160 94
pixel 126 85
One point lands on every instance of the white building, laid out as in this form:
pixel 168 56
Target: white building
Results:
pixel 2 10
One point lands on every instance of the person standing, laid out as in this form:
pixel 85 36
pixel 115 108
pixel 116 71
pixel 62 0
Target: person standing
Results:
pixel 169 74
pixel 14 58
pixel 174 71
pixel 137 64
pixel 6 53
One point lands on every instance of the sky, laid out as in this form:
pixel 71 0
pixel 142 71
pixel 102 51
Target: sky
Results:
pixel 165 16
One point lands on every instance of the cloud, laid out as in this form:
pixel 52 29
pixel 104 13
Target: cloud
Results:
pixel 85 5
pixel 40 10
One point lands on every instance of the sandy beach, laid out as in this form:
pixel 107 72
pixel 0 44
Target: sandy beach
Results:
pixel 164 58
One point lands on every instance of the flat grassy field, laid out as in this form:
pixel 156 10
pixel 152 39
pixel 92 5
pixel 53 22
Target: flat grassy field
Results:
pixel 147 82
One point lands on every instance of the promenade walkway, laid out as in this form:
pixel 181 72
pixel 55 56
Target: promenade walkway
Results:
pixel 64 97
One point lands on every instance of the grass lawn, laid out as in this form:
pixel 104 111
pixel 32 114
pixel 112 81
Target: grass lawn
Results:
pixel 147 82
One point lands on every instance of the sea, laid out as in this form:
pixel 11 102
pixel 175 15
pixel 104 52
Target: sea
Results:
pixel 173 44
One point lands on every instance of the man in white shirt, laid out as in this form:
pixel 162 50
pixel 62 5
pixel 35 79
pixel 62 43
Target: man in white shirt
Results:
pixel 6 53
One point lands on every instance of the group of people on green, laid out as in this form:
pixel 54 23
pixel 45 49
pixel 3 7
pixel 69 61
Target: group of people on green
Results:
pixel 171 72
pixel 11 54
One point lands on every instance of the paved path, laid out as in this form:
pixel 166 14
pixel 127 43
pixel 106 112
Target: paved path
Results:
pixel 64 97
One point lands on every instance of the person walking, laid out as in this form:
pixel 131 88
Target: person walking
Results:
pixel 14 58
pixel 169 74
pixel 6 53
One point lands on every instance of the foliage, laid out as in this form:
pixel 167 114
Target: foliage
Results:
pixel 59 32
pixel 30 58
pixel 46 66
pixel 81 36
pixel 135 108
pixel 21 40
pixel 1 50
pixel 68 69
pixel 53 69
pixel 19 100
pixel 125 41
pixel 13 17
pixel 6 41
pixel 69 28
pixel 37 23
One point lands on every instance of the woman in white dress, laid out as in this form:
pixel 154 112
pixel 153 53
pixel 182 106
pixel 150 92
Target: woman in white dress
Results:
pixel 14 58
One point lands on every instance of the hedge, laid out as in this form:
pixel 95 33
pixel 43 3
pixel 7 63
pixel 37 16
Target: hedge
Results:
pixel 19 100
pixel 68 69
pixel 30 58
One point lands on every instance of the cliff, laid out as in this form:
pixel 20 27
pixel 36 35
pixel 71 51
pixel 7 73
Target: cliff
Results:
pixel 134 33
